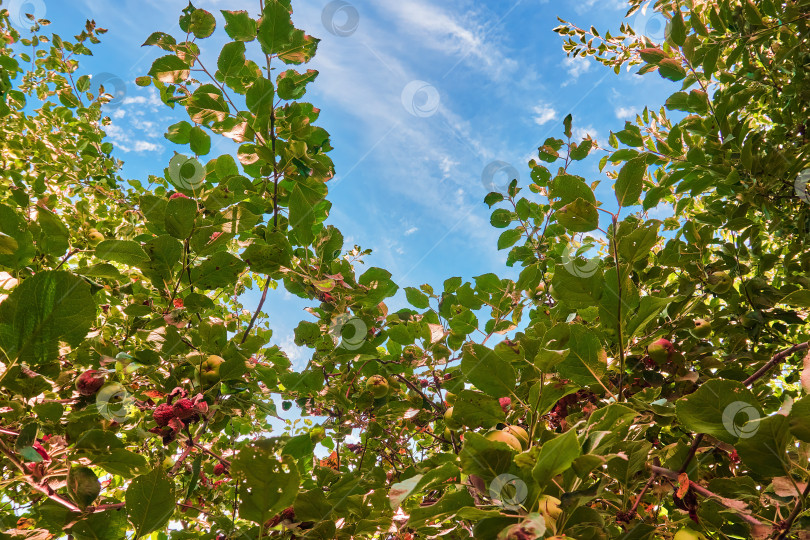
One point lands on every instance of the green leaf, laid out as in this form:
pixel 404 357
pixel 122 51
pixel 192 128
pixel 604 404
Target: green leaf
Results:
pixel 501 218
pixel 586 362
pixel 121 251
pixel 487 371
pixel 509 238
pixel 16 242
pixel 417 298
pixel 207 105
pixel 169 69
pixel 637 244
pixel 162 40
pixel 474 409
pixel 719 408
pixel 292 85
pixel 108 525
pixel 578 216
pixel 762 446
pixel 202 23
pixel 799 419
pixel 239 26
pixel 677 28
pixel 54 236
pixel 578 288
pixel 179 133
pixel 268 258
pixel 556 456
pixel 800 298
pixel 649 307
pixel 275 27
pixel 629 181
pixel 231 59
pixel 484 458
pixel 200 142
pixel 269 484
pixel 180 214
pixel 42 311
pixel 150 502
pixel 671 68
pixel 219 270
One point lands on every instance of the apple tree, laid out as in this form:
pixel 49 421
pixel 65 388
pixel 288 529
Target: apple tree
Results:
pixel 645 376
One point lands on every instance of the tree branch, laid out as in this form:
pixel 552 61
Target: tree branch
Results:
pixel 673 475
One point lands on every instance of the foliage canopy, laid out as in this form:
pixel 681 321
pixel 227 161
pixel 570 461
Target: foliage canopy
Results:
pixel 660 386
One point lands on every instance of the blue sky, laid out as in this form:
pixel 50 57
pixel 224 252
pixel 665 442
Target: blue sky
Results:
pixel 419 97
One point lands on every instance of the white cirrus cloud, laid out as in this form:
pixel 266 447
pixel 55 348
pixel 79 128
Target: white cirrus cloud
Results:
pixel 544 113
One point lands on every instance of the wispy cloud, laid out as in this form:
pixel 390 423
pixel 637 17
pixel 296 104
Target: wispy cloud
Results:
pixel 544 114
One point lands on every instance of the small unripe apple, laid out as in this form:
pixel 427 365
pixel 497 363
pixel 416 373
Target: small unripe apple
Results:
pixel 719 282
pixel 688 534
pixel 752 319
pixel 660 351
pixel 520 434
pixel 449 421
pixel 94 237
pixel 209 369
pixel 702 329
pixel 448 434
pixel 450 397
pixel 377 385
pixel 550 506
pixel 506 438
pixel 317 434
pixel 90 382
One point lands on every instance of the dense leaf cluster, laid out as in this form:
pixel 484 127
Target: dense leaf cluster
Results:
pixel 656 374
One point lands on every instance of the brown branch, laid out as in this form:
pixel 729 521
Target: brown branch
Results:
pixel 673 475
pixel 788 523
pixel 258 309
pixel 778 357
pixel 45 490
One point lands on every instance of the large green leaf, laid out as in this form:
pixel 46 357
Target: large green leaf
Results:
pixel 578 216
pixel 44 310
pixel 484 458
pixel 799 418
pixel 109 525
pixel 556 456
pixel 720 408
pixel 275 27
pixel 122 251
pixel 762 446
pixel 150 502
pixel 474 409
pixel 239 26
pixel 179 220
pixel 629 181
pixel 487 371
pixel 268 485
